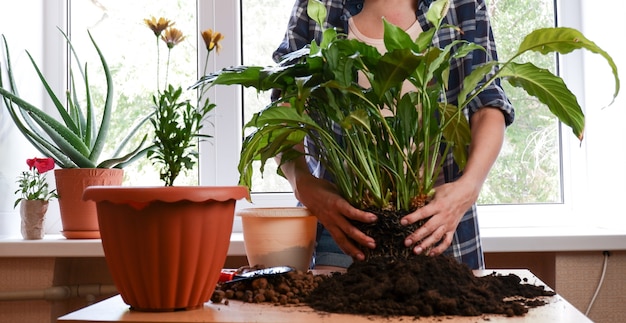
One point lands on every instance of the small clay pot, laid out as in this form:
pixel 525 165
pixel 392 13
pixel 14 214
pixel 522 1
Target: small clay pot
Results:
pixel 33 213
pixel 279 236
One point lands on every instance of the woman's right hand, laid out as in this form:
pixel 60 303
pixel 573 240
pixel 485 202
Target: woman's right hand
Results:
pixel 333 211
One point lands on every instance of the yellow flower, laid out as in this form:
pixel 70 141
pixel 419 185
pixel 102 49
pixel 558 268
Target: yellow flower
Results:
pixel 212 39
pixel 172 37
pixel 159 25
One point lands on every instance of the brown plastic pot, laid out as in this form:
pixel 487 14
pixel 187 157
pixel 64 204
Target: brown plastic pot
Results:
pixel 165 246
pixel 78 217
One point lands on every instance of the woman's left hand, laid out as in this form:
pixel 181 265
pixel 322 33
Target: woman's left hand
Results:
pixel 444 212
pixel 453 199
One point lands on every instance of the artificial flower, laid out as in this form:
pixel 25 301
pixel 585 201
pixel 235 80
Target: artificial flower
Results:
pixel 32 183
pixel 212 39
pixel 159 25
pixel 41 164
pixel 172 37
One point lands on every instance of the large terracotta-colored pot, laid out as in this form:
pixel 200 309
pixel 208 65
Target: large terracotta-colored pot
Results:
pixel 165 246
pixel 279 236
pixel 78 217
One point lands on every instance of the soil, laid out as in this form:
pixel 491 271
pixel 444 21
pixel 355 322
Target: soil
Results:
pixel 423 286
pixel 383 286
pixel 394 281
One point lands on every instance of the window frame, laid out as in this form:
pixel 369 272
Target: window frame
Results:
pixel 219 157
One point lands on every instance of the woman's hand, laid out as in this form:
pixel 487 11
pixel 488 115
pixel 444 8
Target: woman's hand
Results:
pixel 445 210
pixel 333 211
pixel 452 200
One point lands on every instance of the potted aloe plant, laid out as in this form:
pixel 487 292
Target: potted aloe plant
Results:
pixel 368 147
pixel 165 246
pixel 75 141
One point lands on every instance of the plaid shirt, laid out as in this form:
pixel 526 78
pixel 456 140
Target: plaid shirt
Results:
pixel 472 18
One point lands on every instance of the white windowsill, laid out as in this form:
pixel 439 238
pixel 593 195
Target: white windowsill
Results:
pixel 522 239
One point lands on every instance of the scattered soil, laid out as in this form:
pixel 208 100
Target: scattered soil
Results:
pixel 382 286
pixel 423 286
pixel 288 289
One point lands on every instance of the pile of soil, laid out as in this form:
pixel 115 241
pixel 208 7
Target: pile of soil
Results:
pixel 423 286
pixel 384 286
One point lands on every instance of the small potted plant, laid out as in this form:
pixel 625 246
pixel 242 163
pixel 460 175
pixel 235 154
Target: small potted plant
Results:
pixel 75 142
pixel 373 137
pixel 165 246
pixel 35 195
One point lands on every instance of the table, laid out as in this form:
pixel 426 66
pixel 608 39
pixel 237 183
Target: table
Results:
pixel 115 310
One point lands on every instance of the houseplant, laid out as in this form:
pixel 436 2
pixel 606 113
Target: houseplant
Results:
pixel 371 154
pixel 75 142
pixel 165 246
pixel 35 195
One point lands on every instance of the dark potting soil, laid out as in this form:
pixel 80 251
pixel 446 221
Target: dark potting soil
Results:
pixel 423 286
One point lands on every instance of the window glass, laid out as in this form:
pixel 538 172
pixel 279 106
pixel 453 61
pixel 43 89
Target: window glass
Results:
pixel 528 167
pixel 263 27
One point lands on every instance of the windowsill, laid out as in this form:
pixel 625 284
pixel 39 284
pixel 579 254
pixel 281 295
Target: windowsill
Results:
pixel 521 239
pixel 55 245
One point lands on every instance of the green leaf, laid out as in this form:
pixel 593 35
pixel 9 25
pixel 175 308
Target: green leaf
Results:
pixel 59 106
pixel 316 11
pixel 457 133
pixel 393 68
pixel 550 90
pixel 396 38
pixel 358 117
pixel 471 81
pixel 68 142
pixel 340 62
pixel 565 40
pixel 437 10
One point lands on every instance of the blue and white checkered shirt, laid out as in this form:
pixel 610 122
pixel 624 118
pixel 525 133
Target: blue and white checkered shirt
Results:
pixel 472 18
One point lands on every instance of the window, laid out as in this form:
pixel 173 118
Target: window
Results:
pixel 529 184
pixel 529 170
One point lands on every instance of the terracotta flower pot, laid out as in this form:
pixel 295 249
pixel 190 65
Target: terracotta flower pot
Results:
pixel 33 214
pixel 165 246
pixel 281 236
pixel 78 217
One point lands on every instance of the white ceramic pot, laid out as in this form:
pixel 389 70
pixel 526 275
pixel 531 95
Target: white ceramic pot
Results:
pixel 280 236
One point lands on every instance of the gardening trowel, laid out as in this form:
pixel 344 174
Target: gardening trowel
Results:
pixel 232 276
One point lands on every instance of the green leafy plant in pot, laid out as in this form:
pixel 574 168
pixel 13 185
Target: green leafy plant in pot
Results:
pixel 165 245
pixel 379 149
pixel 75 140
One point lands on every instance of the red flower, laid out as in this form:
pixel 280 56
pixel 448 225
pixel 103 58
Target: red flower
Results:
pixel 42 164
